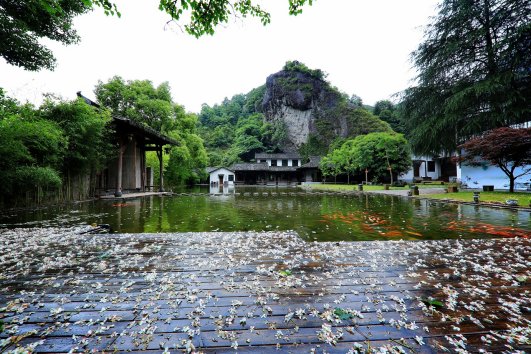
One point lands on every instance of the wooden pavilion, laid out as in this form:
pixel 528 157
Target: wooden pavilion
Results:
pixel 128 171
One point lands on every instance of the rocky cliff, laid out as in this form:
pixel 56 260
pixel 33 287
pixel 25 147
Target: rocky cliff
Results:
pixel 311 111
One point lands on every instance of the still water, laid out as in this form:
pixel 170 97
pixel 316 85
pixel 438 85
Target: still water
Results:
pixel 315 216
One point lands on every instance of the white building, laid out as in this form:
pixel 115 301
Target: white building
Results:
pixel 431 168
pixel 220 176
pixel 491 175
pixel 280 160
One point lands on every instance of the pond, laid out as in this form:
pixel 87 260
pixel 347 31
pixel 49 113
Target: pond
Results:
pixel 315 216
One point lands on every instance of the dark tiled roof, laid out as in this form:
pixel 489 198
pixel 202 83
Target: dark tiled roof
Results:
pixel 153 136
pixel 277 156
pixel 283 168
pixel 250 167
pixel 262 166
pixel 313 163
pixel 212 169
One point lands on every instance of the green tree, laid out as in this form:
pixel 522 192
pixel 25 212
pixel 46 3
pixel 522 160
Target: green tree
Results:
pixel 383 105
pixel 31 149
pixel 473 73
pixel 329 167
pixel 23 23
pixel 356 101
pixel 140 101
pixel 86 132
pixel 376 152
pixel 388 112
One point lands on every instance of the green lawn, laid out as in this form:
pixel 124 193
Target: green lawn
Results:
pixel 351 187
pixel 498 197
pixel 467 196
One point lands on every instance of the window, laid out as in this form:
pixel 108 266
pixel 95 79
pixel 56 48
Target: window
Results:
pixel 284 162
pixel 295 163
pixel 273 162
pixel 231 178
pixel 431 166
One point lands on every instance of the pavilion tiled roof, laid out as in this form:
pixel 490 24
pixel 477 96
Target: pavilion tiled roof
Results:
pixel 277 156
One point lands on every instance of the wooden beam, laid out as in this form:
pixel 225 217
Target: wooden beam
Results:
pixel 118 192
pixel 161 168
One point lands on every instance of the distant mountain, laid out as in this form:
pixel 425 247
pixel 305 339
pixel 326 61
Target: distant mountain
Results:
pixel 312 110
pixel 296 111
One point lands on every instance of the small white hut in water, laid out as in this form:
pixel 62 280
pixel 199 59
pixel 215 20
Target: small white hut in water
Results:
pixel 221 176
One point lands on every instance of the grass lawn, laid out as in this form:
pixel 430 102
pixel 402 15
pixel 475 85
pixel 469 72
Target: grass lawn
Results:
pixel 351 187
pixel 499 197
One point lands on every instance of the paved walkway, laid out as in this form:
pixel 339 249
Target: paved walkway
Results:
pixel 260 293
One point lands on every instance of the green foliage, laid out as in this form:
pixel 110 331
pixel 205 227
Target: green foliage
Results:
pixel 375 152
pixel 473 73
pixel 432 302
pixel 31 149
pixel 296 66
pixel 235 130
pixel 187 161
pixel 285 272
pixel 292 83
pixel 34 141
pixel 86 131
pixel 30 177
pixel 363 122
pixel 24 23
pixel 314 146
pixel 140 101
pixel 356 101
pixel 388 112
pixel 342 314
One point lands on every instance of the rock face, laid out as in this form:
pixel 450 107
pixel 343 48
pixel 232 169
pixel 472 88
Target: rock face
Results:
pixel 306 105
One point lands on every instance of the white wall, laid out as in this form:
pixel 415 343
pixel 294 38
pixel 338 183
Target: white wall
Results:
pixel 423 170
pixel 279 162
pixel 214 176
pixel 488 175
pixel 408 176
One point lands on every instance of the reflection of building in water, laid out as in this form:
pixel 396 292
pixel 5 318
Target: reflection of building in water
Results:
pixel 216 188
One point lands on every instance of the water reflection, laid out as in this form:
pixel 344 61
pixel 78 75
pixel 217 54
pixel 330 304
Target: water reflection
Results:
pixel 316 216
pixel 221 189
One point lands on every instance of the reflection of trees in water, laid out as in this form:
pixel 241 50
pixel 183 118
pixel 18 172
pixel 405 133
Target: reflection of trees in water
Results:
pixel 301 212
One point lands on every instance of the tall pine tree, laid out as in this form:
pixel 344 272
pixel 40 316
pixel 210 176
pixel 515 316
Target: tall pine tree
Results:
pixel 473 73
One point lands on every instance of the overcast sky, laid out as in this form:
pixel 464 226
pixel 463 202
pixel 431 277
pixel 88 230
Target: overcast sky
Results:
pixel 363 45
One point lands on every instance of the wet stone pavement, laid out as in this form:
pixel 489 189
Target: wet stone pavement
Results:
pixel 267 292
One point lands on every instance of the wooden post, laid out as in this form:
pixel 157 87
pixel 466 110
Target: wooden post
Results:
pixel 161 167
pixel 118 192
pixel 143 168
pixel 366 176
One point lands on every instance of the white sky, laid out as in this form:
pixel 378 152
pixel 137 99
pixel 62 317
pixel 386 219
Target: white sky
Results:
pixel 364 46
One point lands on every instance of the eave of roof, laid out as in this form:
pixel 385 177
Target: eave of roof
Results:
pixel 277 156
pixel 154 136
pixel 214 169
